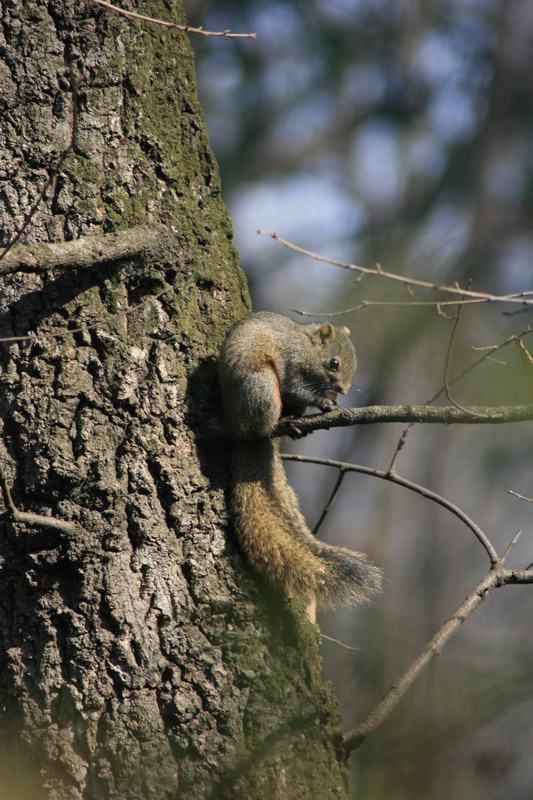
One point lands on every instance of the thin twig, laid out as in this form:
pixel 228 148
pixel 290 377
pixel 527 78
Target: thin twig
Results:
pixel 399 447
pixel 53 172
pixel 407 430
pixel 446 382
pixel 83 328
pixel 449 354
pixel 520 496
pixel 522 298
pixel 184 28
pixel 511 546
pixel 28 517
pixel 331 499
pixel 485 357
pixel 527 363
pixel 338 641
pixel 438 304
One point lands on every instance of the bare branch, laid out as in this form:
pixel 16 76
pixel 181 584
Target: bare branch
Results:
pixel 445 415
pixel 83 252
pixel 520 496
pixel 82 328
pixel 522 298
pixel 437 304
pixel 414 487
pixel 511 546
pixel 449 355
pixel 496 577
pixel 488 356
pixel 399 447
pixel 54 171
pixel 446 382
pixel 527 364
pixel 184 28
pixel 330 500
pixel 338 641
pixel 28 517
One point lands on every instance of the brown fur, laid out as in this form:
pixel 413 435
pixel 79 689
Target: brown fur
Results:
pixel 270 365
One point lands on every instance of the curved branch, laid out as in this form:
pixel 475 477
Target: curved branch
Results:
pixel 392 477
pixel 497 576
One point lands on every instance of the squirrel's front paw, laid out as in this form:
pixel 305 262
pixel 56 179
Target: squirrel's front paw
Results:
pixel 328 405
pixel 294 431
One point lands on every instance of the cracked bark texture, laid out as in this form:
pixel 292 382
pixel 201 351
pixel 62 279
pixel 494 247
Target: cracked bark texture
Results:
pixel 138 658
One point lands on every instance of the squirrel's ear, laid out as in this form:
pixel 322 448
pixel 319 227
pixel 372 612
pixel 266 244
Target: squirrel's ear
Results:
pixel 326 333
pixel 345 330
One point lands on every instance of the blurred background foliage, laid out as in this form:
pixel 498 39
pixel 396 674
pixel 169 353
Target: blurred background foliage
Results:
pixel 400 132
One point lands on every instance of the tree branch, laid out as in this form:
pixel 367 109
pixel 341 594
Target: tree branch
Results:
pixel 466 295
pixel 58 334
pixel 393 477
pixel 496 577
pixel 445 415
pixel 83 252
pixel 28 517
pixel 488 355
pixel 185 28
pixel 331 498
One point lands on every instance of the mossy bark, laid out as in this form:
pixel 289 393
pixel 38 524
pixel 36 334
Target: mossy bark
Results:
pixel 138 658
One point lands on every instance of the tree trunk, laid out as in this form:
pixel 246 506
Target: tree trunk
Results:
pixel 138 656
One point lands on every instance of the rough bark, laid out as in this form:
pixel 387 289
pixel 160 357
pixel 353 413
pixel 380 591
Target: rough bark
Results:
pixel 138 658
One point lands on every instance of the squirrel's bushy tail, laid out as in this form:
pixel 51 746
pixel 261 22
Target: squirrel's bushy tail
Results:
pixel 277 542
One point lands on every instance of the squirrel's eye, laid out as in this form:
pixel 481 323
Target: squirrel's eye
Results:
pixel 334 364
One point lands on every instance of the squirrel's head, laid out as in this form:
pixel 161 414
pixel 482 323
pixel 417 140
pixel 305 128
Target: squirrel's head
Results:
pixel 337 357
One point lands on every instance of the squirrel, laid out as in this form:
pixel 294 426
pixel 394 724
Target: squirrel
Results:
pixel 269 367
